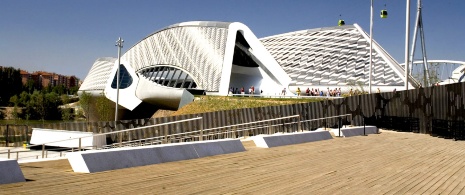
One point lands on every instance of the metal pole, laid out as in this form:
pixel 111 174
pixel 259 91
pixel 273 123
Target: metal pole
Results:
pixel 201 130
pixel 371 46
pixel 119 44
pixel 79 144
pixel 6 137
pixel 407 42
pixel 339 126
pixel 364 132
pixel 423 47
pixel 414 42
pixel 43 149
pixel 8 153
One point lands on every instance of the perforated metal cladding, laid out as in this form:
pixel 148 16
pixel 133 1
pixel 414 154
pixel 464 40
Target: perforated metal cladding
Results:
pixel 198 50
pixel 332 56
pixel 98 75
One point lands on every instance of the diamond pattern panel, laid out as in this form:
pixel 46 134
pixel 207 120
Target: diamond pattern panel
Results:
pixel 197 49
pixel 330 56
pixel 98 75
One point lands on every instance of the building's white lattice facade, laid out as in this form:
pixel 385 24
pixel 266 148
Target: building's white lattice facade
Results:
pixel 98 76
pixel 332 57
pixel 199 50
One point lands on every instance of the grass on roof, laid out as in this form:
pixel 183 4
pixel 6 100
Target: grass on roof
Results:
pixel 215 103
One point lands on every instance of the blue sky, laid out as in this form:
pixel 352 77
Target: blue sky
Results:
pixel 66 37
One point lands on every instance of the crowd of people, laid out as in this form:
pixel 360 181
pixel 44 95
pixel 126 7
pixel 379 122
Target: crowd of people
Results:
pixel 336 92
pixel 242 91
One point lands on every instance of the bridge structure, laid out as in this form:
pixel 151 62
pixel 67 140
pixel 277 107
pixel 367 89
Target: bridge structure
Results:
pixel 440 71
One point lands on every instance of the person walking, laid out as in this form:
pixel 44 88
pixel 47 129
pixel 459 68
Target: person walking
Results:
pixel 298 91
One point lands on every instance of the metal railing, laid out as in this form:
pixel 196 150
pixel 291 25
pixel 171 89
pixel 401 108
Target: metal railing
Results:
pixel 267 126
pixel 211 133
pixel 79 148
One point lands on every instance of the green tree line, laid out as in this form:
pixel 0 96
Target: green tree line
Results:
pixel 31 100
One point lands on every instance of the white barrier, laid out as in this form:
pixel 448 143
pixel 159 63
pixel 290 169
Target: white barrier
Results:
pixel 268 141
pixel 10 172
pixel 50 136
pixel 103 160
pixel 355 131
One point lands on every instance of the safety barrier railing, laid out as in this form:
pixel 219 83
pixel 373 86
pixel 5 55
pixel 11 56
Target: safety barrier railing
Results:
pixel 268 126
pixel 211 133
pixel 285 96
pixel 229 131
pixel 79 148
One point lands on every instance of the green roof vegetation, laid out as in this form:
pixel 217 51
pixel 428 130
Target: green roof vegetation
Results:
pixel 215 103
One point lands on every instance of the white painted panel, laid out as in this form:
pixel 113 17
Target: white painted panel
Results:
pixel 268 141
pixel 103 160
pixel 41 136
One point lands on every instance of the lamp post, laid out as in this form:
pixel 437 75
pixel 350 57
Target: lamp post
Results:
pixel 119 44
pixel 407 42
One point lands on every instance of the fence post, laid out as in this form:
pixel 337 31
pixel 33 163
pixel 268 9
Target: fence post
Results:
pixel 8 153
pixel 299 128
pixel 27 136
pixel 79 144
pixel 339 126
pixel 43 149
pixel 270 128
pixel 17 155
pixel 6 137
pixel 364 133
pixel 165 134
pixel 121 139
pixel 201 130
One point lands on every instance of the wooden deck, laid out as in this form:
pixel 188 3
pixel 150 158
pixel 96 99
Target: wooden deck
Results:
pixel 386 163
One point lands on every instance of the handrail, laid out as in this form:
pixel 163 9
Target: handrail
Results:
pixel 196 133
pixel 114 132
pixel 327 117
pixel 285 96
pixel 154 139
pixel 210 129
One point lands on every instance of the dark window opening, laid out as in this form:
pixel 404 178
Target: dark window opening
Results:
pixel 169 77
pixel 242 55
pixel 125 79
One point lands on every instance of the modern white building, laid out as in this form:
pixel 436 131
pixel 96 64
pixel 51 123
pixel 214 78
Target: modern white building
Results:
pixel 167 67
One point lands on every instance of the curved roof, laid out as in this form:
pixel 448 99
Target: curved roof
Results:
pixel 196 47
pixel 333 56
pixel 216 24
pixel 98 75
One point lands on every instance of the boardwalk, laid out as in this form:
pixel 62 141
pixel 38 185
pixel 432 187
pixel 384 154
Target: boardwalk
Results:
pixel 386 163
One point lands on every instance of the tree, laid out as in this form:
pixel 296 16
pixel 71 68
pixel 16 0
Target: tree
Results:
pixel 355 84
pixel 73 90
pixel 66 112
pixel 15 101
pixel 30 86
pixel 37 102
pixel 11 82
pixel 104 108
pixel 52 103
pixel 84 101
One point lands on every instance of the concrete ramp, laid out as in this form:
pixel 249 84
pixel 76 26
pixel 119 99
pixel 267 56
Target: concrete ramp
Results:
pixel 355 131
pixel 268 141
pixel 103 160
pixel 10 172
